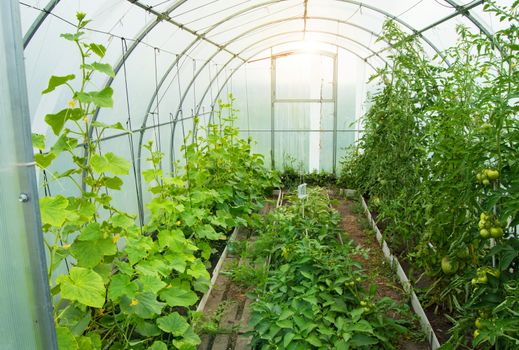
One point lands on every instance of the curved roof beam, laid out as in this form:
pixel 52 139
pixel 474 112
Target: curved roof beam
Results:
pixel 175 62
pixel 340 36
pixel 186 90
pixel 465 11
pixel 38 22
pixel 166 16
pixel 199 104
pixel 460 10
pixel 249 59
pixel 352 2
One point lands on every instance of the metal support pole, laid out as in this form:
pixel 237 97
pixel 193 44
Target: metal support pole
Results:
pixel 26 320
pixel 335 88
pixel 272 109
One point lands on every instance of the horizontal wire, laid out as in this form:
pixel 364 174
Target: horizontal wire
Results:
pixel 112 34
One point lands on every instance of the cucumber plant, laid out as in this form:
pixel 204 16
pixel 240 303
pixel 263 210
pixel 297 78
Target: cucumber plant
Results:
pixel 116 285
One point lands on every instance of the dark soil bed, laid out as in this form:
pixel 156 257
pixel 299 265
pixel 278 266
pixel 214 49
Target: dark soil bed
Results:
pixel 436 316
pixel 375 265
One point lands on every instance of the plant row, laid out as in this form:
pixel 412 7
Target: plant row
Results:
pixel 312 293
pixel 116 284
pixel 439 163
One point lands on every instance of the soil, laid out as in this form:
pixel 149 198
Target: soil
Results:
pixel 436 317
pixel 219 246
pixel 375 265
pixel 228 301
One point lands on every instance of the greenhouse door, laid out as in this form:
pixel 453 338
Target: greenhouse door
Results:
pixel 303 111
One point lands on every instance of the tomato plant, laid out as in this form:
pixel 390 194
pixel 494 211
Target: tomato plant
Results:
pixel 439 158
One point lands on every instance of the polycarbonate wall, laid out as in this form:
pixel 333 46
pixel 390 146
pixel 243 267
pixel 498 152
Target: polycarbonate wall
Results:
pixel 174 58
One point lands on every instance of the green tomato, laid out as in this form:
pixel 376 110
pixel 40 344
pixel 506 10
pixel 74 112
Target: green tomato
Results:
pixel 492 174
pixel 476 333
pixel 484 233
pixel 449 267
pixel 483 279
pixel 478 324
pixel 496 232
pixel 463 252
pixel 486 182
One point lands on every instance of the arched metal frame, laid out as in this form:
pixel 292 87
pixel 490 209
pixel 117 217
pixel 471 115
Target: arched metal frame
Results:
pixel 200 37
pixel 165 16
pixel 200 70
pixel 214 79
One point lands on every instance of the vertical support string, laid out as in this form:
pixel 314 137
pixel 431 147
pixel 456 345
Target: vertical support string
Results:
pixel 156 123
pixel 140 204
pixel 194 101
pixel 247 103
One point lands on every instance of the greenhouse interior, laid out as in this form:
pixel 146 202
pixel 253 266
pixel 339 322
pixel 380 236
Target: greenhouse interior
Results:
pixel 259 174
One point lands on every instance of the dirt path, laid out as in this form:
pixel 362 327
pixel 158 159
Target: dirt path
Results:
pixel 357 229
pixel 227 310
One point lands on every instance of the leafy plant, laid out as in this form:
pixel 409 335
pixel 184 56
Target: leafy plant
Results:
pixel 127 286
pixel 313 296
pixel 438 162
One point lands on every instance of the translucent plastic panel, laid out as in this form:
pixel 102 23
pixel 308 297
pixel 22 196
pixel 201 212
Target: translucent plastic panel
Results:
pixel 291 149
pixel 259 37
pixel 311 151
pixel 167 37
pixel 425 13
pixel 345 140
pixel 304 76
pixel 252 92
pixel 325 152
pixel 202 15
pixel 303 116
pixel 258 19
pixel 260 144
pixel 350 81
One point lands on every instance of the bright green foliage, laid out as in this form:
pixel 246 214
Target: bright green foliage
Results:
pixel 83 285
pixel 313 296
pixel 439 163
pixel 130 287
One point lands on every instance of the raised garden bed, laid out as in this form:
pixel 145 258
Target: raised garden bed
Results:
pixel 401 274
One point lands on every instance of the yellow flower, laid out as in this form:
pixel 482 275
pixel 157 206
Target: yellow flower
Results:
pixel 178 222
pixel 72 103
pixel 116 238
pixel 66 246
pixel 134 302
